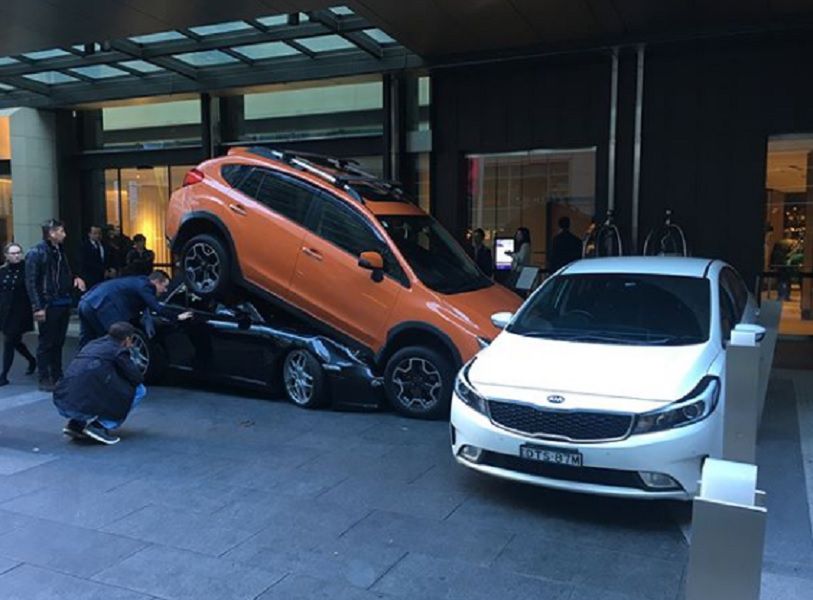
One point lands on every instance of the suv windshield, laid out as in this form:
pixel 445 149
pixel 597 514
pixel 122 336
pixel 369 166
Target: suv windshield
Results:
pixel 658 310
pixel 437 259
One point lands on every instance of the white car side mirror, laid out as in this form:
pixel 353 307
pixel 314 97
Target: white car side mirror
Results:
pixel 501 319
pixel 747 334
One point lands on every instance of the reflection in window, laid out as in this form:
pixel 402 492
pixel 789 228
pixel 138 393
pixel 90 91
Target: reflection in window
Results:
pixel 136 200
pixel 6 213
pixel 534 190
pixel 160 124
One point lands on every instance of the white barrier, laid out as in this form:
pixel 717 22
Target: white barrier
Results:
pixel 728 534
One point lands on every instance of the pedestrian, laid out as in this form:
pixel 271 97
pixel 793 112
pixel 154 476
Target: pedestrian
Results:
pixel 101 387
pixel 50 284
pixel 140 260
pixel 15 310
pixel 95 263
pixel 119 245
pixel 564 248
pixel 122 299
pixel 480 252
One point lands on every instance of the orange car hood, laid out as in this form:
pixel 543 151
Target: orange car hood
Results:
pixel 474 309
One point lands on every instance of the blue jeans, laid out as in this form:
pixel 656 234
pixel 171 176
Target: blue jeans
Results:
pixel 140 392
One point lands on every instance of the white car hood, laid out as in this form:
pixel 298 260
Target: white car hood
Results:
pixel 614 376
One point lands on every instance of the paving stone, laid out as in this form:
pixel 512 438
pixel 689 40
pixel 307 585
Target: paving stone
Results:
pixel 183 575
pixel 421 576
pixel 559 560
pixel 27 582
pixel 428 536
pixel 72 550
pixel 192 495
pixel 10 521
pixel 783 587
pixel 6 564
pixel 200 532
pixel 14 461
pixel 82 506
pixel 301 587
pixel 359 565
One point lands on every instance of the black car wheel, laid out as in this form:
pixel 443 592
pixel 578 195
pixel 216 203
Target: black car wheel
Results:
pixel 418 381
pixel 205 265
pixel 148 357
pixel 304 380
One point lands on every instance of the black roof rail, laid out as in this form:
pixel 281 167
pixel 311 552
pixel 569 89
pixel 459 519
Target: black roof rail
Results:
pixel 350 174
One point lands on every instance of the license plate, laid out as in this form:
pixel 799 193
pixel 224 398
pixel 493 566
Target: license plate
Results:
pixel 570 458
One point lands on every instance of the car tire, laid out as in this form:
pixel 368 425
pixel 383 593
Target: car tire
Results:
pixel 149 357
pixel 205 266
pixel 418 381
pixel 304 380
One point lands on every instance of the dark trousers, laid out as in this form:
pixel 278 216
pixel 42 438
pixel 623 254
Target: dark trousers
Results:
pixel 12 342
pixel 90 328
pixel 52 339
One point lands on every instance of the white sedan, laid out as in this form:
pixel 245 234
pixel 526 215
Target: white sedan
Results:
pixel 608 380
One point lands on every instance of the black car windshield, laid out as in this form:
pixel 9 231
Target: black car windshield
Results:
pixel 435 257
pixel 658 310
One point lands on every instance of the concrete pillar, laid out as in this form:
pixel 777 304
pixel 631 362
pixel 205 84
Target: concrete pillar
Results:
pixel 34 172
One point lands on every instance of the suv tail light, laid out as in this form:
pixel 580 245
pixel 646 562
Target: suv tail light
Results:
pixel 192 177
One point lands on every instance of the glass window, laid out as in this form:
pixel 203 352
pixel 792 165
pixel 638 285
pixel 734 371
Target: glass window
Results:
pixel 206 58
pixel 435 257
pixel 153 38
pixel 43 54
pixel 615 308
pixel 7 60
pixel 6 87
pixel 234 174
pixel 99 71
pixel 534 190
pixel 787 250
pixel 266 50
pixel 280 194
pixel 153 125
pixel 728 316
pixel 338 108
pixel 736 289
pixel 326 43
pixel 220 28
pixel 50 77
pixel 141 65
pixel 379 36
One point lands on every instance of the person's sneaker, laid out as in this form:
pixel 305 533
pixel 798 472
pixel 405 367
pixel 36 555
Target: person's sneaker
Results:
pixel 75 429
pixel 46 385
pixel 95 431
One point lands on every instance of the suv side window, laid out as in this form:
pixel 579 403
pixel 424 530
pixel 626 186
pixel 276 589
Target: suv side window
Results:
pixel 348 230
pixel 277 192
pixel 728 318
pixel 234 173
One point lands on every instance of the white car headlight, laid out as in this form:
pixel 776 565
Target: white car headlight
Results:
pixel 466 392
pixel 698 405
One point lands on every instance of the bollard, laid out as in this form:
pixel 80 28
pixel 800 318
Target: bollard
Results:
pixel 728 534
pixel 742 396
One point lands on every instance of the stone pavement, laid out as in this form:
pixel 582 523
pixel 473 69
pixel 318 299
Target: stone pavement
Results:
pixel 215 495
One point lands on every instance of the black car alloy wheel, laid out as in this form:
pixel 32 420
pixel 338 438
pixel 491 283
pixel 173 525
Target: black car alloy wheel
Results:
pixel 140 352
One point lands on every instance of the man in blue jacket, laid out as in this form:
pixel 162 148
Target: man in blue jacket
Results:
pixel 121 299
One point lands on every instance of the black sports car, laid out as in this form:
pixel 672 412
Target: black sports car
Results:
pixel 237 344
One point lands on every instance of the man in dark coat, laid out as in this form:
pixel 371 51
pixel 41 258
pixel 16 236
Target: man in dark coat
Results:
pixel 96 257
pixel 140 260
pixel 100 387
pixel 50 282
pixel 480 252
pixel 565 247
pixel 121 299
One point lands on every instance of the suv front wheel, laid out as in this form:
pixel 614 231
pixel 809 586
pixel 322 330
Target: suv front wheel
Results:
pixel 205 266
pixel 418 381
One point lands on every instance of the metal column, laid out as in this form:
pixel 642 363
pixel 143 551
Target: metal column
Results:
pixel 636 157
pixel 613 119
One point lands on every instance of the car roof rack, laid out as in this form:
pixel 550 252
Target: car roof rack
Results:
pixel 350 174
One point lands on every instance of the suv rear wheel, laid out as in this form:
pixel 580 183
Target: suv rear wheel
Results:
pixel 205 266
pixel 418 381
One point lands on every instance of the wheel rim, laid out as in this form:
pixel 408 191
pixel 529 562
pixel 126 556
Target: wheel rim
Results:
pixel 418 384
pixel 202 267
pixel 298 379
pixel 140 353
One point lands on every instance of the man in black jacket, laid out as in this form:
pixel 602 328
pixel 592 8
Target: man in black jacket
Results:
pixel 565 247
pixel 50 284
pixel 95 263
pixel 122 299
pixel 101 387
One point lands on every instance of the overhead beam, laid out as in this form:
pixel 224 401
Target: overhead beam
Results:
pixel 22 83
pixel 135 51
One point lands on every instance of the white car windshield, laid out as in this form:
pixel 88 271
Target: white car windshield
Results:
pixel 616 308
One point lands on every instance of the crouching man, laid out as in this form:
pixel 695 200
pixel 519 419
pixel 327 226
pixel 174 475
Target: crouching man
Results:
pixel 101 386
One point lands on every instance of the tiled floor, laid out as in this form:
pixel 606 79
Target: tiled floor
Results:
pixel 211 495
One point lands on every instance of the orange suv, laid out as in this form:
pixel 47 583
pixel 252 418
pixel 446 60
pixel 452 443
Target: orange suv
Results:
pixel 346 252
